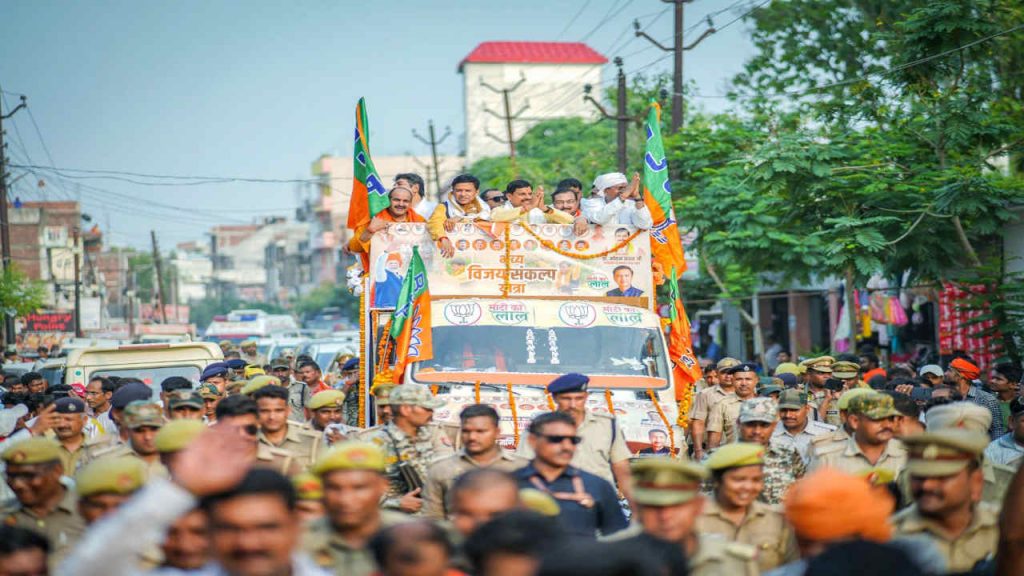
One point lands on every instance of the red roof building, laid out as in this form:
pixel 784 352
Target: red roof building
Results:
pixel 534 53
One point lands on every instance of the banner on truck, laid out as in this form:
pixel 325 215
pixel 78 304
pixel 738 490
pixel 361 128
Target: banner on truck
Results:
pixel 485 265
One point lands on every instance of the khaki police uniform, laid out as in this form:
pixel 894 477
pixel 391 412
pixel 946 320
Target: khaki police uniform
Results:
pixel 442 473
pixel 717 556
pixel 764 528
pixel 332 552
pixel 71 460
pixel 603 445
pixel 706 401
pixel 280 460
pixel 849 458
pixel 301 441
pixel 723 418
pixel 62 526
pixel 98 444
pixel 155 468
pixel 320 540
pixel 941 453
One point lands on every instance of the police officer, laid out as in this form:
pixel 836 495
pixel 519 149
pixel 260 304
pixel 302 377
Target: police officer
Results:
pixel 106 484
pixel 174 437
pixel 842 434
pixel 410 444
pixel 352 474
pixel 275 429
pixel 666 492
pixel 782 464
pixel 737 472
pixel 241 413
pixel 946 480
pixel 873 445
pixel 43 503
pixel 298 392
pixel 217 375
pixel 816 372
pixel 705 402
pixel 69 429
pixel 722 422
pixel 211 396
pixel 142 419
pixel 350 386
pixel 478 436
pixel 185 404
pixel 250 353
pixel 326 410
pixel 602 450
pixel 970 416
pixel 795 428
pixel 589 504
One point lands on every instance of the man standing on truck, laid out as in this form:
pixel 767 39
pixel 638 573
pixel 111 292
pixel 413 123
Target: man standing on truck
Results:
pixel 523 205
pixel 603 450
pixel 617 201
pixel 398 211
pixel 410 444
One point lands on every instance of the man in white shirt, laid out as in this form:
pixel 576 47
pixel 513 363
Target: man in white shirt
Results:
pixel 420 204
pixel 615 200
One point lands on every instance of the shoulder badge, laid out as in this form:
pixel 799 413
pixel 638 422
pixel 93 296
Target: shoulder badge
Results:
pixel 741 551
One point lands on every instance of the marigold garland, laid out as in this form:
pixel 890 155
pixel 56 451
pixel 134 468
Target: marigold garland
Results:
pixel 664 419
pixel 515 418
pixel 361 419
pixel 608 401
pixel 506 288
pixel 551 401
pixel 685 402
pixel 476 391
pixel 433 389
pixel 384 347
pixel 551 245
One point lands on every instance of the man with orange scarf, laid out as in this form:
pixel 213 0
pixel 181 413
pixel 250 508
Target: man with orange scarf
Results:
pixel 398 211
pixel 961 375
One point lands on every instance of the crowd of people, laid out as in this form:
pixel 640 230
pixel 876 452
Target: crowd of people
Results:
pixel 244 476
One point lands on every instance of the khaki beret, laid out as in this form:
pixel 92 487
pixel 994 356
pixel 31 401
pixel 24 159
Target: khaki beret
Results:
pixel 726 363
pixel 38 450
pixel 351 455
pixel 735 455
pixel 819 364
pixel 844 400
pixel 178 434
pixel 326 398
pixel 111 475
pixel 666 481
pixel 943 452
pixel 260 381
pixel 966 415
pixel 845 370
pixel 308 486
pixel 789 368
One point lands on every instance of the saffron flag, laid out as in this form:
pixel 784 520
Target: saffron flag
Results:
pixel 368 193
pixel 680 347
pixel 410 325
pixel 667 250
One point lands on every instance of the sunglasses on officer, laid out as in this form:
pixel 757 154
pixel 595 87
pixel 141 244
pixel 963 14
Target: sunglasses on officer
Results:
pixel 495 198
pixel 559 438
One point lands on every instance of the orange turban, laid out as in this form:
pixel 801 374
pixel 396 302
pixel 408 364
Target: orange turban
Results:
pixel 966 368
pixel 829 505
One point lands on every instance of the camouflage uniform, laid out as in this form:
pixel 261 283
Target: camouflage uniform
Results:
pixel 428 445
pixel 782 467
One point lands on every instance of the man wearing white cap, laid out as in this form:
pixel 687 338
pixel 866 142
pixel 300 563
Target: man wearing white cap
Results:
pixel 932 373
pixel 616 201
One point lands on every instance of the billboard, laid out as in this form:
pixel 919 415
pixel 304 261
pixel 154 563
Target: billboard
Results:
pixel 502 260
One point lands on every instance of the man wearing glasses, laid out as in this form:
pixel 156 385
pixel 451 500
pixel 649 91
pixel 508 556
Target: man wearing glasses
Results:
pixel 603 451
pixel 588 504
pixel 492 197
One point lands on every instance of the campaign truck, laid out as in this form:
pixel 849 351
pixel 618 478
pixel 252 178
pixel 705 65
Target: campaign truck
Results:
pixel 518 305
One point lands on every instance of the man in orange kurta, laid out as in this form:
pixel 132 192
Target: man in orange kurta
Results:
pixel 399 211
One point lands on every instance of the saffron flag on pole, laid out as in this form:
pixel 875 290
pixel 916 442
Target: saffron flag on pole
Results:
pixel 410 324
pixel 368 193
pixel 667 249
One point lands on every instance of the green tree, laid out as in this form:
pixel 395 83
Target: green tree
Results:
pixel 19 295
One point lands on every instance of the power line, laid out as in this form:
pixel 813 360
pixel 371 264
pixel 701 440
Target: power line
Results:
pixel 744 15
pixel 607 18
pixel 574 19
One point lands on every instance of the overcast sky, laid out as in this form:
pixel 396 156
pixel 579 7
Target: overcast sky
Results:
pixel 260 89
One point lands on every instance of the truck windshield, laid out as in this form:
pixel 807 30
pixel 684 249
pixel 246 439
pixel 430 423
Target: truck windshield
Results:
pixel 603 350
pixel 152 376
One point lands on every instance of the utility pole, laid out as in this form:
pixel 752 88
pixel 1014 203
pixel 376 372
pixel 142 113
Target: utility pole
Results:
pixel 678 107
pixel 159 278
pixel 77 250
pixel 621 116
pixel 508 116
pixel 5 228
pixel 433 142
pixel 130 295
